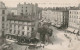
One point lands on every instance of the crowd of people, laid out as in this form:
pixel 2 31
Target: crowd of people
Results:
pixel 71 37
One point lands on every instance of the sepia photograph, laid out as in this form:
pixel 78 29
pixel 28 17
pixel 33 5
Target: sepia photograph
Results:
pixel 39 24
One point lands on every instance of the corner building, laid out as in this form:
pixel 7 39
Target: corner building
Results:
pixel 19 27
pixel 74 21
pixel 3 18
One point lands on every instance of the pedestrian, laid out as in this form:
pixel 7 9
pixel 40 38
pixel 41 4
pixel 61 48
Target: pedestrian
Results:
pixel 70 42
pixel 66 35
pixel 69 39
pixel 77 37
pixel 26 48
pixel 42 45
pixel 51 40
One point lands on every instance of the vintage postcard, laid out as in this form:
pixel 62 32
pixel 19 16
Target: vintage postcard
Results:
pixel 39 24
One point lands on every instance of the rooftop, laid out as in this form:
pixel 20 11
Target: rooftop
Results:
pixel 19 18
pixel 75 8
pixel 2 5
pixel 58 10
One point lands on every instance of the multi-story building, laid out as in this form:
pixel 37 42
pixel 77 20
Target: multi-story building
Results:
pixel 59 18
pixel 19 26
pixel 27 9
pixel 3 18
pixel 74 20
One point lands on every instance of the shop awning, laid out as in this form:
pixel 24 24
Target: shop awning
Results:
pixel 76 31
pixel 70 29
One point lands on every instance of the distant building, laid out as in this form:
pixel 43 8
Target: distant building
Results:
pixel 19 26
pixel 27 9
pixel 3 18
pixel 74 20
pixel 59 18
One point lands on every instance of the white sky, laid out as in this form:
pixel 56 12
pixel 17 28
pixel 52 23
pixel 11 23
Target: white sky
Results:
pixel 43 3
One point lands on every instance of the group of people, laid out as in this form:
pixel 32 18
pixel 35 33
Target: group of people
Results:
pixel 71 37
pixel 31 40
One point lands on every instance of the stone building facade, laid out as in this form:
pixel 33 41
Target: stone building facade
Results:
pixel 3 19
pixel 58 18
pixel 27 9
pixel 74 20
pixel 19 26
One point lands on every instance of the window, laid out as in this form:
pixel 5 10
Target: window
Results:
pixel 21 13
pixel 74 21
pixel 26 10
pixel 18 26
pixel 10 31
pixel 23 27
pixel 14 26
pixel 23 33
pixel 79 21
pixel 32 29
pixel 18 32
pixel 2 24
pixel 70 12
pixel 3 34
pixel 10 25
pixel 3 11
pixel 77 17
pixel 2 27
pixel 14 31
pixel 22 10
pixel 72 16
pixel 27 33
pixel 27 28
pixel 3 18
pixel 77 12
